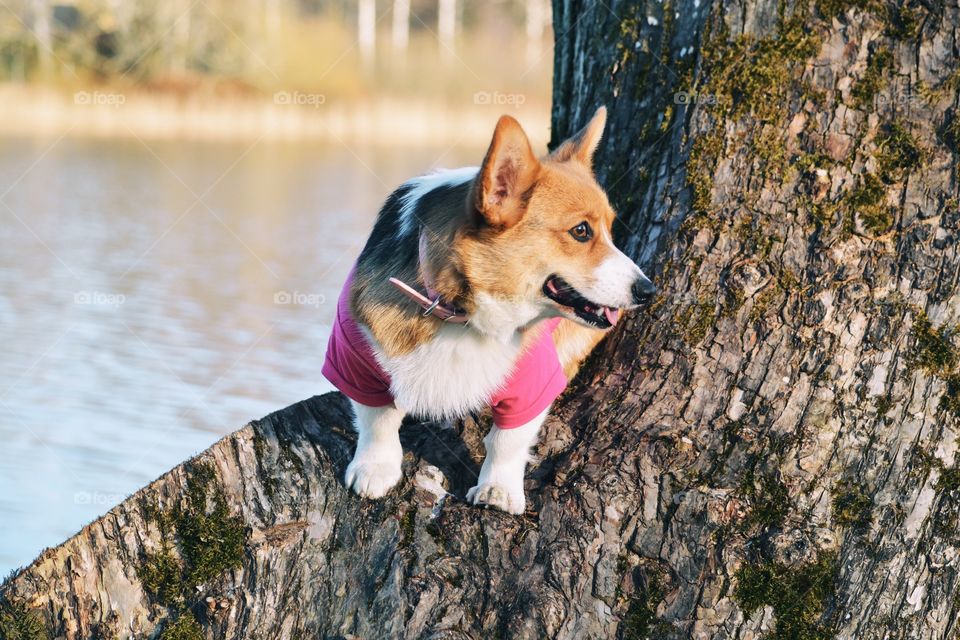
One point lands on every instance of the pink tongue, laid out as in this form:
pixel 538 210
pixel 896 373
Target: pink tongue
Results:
pixel 612 314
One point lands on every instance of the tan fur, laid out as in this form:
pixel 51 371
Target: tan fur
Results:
pixel 515 261
pixel 574 343
pixel 394 321
pixel 509 170
pixel 582 145
pixel 504 241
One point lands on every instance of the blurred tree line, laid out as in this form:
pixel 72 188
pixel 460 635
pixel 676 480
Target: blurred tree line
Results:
pixel 267 44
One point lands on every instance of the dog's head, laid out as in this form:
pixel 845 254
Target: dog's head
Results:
pixel 543 232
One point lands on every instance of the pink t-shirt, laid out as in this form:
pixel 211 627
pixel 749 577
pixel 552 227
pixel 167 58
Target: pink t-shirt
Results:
pixel 536 381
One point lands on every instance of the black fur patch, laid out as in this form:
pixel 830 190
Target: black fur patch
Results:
pixel 441 210
pixel 384 248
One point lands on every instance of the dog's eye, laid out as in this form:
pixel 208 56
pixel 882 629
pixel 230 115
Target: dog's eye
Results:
pixel 582 232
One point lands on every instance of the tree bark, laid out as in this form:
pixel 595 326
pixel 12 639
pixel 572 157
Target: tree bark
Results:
pixel 401 27
pixel 447 29
pixel 367 31
pixel 768 451
pixel 41 11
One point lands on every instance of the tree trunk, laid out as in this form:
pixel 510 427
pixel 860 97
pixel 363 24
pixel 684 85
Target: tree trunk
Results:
pixel 768 451
pixel 536 22
pixel 367 31
pixel 401 27
pixel 447 29
pixel 41 10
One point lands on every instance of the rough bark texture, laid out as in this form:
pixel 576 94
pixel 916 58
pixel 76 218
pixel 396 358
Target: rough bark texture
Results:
pixel 769 451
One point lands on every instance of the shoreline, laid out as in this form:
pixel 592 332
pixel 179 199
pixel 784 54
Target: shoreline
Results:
pixel 285 116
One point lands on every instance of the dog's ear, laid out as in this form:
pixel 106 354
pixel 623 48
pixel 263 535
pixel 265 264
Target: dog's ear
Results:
pixel 509 171
pixel 582 145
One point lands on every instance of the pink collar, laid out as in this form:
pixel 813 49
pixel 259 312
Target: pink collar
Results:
pixel 432 303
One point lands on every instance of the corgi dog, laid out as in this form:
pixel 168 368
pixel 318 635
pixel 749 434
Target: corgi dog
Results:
pixel 480 287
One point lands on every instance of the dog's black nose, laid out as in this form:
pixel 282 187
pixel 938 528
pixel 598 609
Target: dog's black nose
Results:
pixel 643 290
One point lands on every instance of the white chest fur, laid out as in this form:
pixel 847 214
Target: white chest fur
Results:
pixel 455 373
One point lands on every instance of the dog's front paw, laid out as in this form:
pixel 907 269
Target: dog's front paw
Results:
pixel 372 474
pixel 498 496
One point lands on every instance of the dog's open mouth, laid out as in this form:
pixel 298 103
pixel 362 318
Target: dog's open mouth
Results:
pixel 558 290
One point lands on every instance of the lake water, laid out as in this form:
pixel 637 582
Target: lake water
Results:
pixel 157 296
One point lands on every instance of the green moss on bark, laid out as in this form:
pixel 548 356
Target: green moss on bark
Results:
pixel 783 283
pixel 185 627
pixel 796 594
pixel 260 450
pixel 641 621
pixel 162 575
pixel 742 76
pixel 949 480
pixel 767 497
pixel 19 623
pixel 868 201
pixel 699 320
pixel 707 150
pixel 950 400
pixel 902 21
pixel 874 78
pixel 852 506
pixel 950 132
pixel 408 523
pixel 199 541
pixel 750 75
pixel 898 152
pixel 837 8
pixel 212 539
pixel 933 349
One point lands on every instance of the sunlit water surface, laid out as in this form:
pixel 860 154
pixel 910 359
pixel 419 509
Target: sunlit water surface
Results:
pixel 157 296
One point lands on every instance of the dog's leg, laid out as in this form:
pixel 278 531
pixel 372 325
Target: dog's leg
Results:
pixel 500 483
pixel 574 343
pixel 376 464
